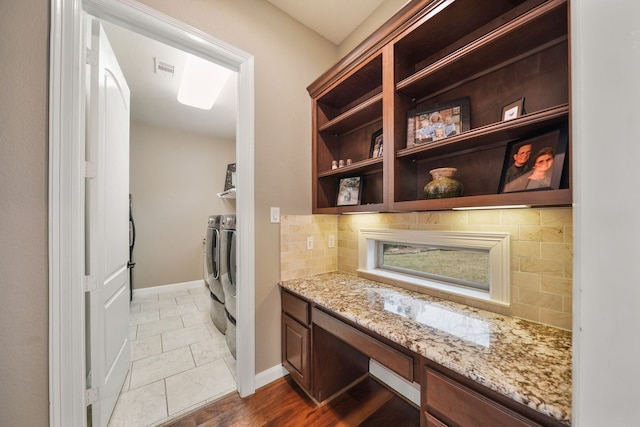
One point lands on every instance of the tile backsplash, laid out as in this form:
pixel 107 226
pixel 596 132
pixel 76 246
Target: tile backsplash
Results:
pixel 541 252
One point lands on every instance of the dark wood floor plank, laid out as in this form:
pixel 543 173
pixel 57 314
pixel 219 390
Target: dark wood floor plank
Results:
pixel 283 404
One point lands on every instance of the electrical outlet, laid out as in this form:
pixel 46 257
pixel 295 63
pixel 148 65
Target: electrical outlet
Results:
pixel 275 215
pixel 309 243
pixel 331 241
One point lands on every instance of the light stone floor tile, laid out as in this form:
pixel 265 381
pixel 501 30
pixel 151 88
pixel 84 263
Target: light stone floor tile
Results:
pixel 160 326
pixel 204 303
pixel 142 298
pixel 196 318
pixel 143 398
pixel 178 310
pixel 173 294
pixel 144 317
pixel 146 347
pixel 183 299
pixel 142 407
pixel 158 304
pixel 198 385
pixel 232 364
pixel 210 350
pixel 154 368
pixel 127 382
pixel 185 336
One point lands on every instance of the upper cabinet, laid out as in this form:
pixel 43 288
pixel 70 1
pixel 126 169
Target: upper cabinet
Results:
pixel 447 84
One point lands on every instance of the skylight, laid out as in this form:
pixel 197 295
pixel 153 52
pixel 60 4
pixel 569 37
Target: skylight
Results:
pixel 201 84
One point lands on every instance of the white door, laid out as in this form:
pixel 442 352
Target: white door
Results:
pixel 107 217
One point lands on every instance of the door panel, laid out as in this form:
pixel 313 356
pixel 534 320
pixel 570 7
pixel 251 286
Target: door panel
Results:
pixel 108 226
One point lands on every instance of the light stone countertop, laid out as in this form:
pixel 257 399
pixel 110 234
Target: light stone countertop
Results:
pixel 525 361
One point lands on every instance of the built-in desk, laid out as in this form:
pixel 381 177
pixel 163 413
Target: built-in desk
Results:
pixel 473 366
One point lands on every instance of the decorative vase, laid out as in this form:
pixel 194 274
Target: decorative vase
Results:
pixel 443 185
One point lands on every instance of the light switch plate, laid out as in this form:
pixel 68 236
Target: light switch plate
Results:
pixel 275 215
pixel 309 243
pixel 331 241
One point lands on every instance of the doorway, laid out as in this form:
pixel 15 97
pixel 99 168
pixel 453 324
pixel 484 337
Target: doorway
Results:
pixel 67 173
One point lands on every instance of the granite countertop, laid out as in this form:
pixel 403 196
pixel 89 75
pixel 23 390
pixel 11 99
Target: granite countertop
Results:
pixel 525 361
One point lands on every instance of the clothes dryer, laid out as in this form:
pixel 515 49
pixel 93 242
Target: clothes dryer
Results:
pixel 212 272
pixel 228 241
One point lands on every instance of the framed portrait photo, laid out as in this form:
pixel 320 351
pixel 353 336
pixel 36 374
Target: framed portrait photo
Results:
pixel 377 145
pixel 513 110
pixel 437 121
pixel 349 191
pixel 535 163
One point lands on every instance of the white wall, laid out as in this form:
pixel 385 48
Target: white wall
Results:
pixel 605 44
pixel 174 180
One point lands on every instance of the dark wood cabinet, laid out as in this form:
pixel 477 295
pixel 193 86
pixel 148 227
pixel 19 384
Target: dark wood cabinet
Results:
pixel 431 52
pixel 449 403
pixel 296 339
pixel 296 353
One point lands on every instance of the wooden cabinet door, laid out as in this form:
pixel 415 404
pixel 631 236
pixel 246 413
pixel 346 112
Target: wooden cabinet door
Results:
pixel 296 351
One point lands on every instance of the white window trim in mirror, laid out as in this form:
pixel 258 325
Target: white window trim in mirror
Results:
pixel 497 244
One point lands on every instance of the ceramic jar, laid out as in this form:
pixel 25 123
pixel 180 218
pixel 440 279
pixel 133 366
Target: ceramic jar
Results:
pixel 443 185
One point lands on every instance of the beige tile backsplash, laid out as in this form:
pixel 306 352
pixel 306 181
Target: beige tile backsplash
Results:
pixel 541 252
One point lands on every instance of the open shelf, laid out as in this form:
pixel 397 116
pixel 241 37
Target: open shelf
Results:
pixel 229 194
pixel 538 29
pixel 500 132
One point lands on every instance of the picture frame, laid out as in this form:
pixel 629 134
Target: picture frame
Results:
pixel 513 110
pixel 438 121
pixel 377 145
pixel 349 191
pixel 544 164
pixel 230 179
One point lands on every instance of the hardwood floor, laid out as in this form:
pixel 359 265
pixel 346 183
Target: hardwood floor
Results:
pixel 283 403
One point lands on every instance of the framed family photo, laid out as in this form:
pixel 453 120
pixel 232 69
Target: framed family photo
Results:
pixel 438 121
pixel 535 163
pixel 349 191
pixel 377 145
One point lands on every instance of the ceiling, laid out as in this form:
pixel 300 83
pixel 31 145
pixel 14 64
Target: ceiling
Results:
pixel 153 95
pixel 332 19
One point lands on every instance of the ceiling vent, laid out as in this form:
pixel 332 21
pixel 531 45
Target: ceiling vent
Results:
pixel 164 68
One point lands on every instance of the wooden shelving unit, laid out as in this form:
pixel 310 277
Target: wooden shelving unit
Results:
pixel 433 52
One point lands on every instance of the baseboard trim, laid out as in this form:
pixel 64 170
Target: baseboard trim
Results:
pixel 269 375
pixel 170 288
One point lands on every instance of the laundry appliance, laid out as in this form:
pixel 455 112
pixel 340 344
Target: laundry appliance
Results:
pixel 228 242
pixel 212 272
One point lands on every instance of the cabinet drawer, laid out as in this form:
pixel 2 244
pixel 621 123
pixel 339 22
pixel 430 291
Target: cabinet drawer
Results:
pixel 295 307
pixel 455 405
pixel 393 359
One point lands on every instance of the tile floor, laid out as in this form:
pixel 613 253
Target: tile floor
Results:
pixel 179 360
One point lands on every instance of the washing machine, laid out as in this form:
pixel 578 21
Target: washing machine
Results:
pixel 228 242
pixel 212 272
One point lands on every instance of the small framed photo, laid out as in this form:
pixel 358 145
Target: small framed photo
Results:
pixel 230 179
pixel 377 146
pixel 438 121
pixel 535 163
pixel 349 191
pixel 513 110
